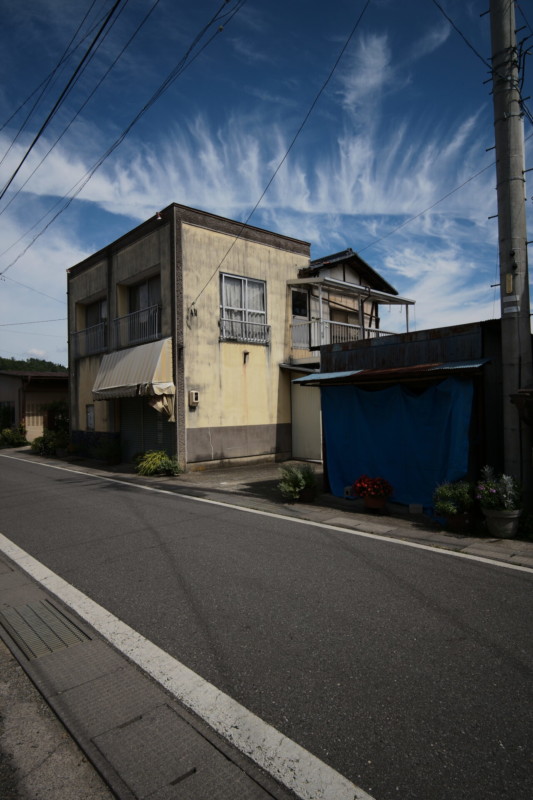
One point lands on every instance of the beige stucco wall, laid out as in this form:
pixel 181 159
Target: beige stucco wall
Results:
pixel 29 402
pixel 87 287
pixel 138 261
pixel 130 264
pixel 235 389
pixel 34 413
pixel 244 405
pixel 87 369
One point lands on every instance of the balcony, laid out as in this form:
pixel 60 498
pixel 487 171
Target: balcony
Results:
pixel 90 341
pixel 138 327
pixel 312 334
pixel 237 330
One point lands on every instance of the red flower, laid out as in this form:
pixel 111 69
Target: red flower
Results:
pixel 371 487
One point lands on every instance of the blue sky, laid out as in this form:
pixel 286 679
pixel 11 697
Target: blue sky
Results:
pixel 404 120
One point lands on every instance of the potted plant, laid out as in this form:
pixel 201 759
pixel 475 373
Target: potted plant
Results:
pixel 298 483
pixel 374 491
pixel 453 501
pixel 500 500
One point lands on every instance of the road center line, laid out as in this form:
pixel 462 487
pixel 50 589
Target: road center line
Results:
pixel 322 525
pixel 291 765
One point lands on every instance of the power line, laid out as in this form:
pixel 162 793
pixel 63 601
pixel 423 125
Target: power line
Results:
pixel 45 84
pixel 61 96
pixel 80 109
pixel 521 57
pixel 463 37
pixel 421 213
pixel 436 203
pixel 518 5
pixel 39 333
pixel 32 289
pixel 33 322
pixel 182 65
pixel 291 145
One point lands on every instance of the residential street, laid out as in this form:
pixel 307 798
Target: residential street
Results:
pixel 407 671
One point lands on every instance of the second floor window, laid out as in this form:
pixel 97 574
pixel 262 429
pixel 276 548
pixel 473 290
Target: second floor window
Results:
pixel 145 294
pixel 95 313
pixel 243 309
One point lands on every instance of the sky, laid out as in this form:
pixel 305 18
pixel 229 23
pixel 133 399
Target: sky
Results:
pixel 348 124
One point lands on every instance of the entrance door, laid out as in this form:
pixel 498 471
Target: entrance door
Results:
pixel 306 423
pixel 142 428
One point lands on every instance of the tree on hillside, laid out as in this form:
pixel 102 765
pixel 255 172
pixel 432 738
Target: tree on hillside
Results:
pixel 30 365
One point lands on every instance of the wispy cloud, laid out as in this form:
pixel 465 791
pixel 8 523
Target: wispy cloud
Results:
pixel 429 42
pixel 368 71
pixel 245 49
pixel 446 284
pixel 362 182
pixel 362 173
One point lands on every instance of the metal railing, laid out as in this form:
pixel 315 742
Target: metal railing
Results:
pixel 312 334
pixel 138 327
pixel 89 341
pixel 237 330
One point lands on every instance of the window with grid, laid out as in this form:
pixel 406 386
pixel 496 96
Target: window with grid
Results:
pixel 243 310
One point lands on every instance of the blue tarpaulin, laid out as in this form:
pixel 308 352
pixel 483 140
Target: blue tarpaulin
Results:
pixel 414 440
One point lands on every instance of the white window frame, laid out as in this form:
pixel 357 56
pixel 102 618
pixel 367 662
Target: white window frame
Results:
pixel 241 322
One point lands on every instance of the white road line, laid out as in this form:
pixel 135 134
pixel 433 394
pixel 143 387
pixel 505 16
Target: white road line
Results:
pixel 323 525
pixel 286 761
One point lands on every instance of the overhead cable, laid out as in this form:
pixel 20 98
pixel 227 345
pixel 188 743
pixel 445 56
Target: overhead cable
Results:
pixel 32 289
pixel 291 145
pixel 80 109
pixel 44 84
pixel 61 97
pixel 32 322
pixel 494 72
pixel 429 208
pixel 185 62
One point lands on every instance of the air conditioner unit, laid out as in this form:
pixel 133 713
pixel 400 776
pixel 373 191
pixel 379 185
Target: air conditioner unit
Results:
pixel 194 397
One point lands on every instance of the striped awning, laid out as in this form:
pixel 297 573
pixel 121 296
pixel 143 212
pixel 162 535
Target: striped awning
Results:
pixel 145 370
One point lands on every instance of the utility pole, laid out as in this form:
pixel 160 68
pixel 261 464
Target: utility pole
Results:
pixel 517 371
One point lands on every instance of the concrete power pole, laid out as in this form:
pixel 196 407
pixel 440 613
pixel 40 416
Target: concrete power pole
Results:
pixel 512 234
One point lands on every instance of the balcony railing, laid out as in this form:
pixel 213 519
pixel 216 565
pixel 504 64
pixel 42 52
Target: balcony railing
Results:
pixel 90 341
pixel 237 330
pixel 138 327
pixel 314 333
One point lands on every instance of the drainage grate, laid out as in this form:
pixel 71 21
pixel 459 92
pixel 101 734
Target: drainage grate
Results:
pixel 39 628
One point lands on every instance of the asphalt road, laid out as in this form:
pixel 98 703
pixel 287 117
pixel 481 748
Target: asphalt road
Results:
pixel 406 670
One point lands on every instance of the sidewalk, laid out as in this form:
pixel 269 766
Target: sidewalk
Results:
pixel 112 710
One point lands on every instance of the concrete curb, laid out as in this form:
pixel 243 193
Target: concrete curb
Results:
pixel 253 487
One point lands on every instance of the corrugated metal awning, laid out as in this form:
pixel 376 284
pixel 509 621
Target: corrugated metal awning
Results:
pixel 145 370
pixel 325 377
pixel 298 368
pixel 419 371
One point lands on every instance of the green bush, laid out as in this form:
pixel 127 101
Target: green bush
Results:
pixel 157 462
pixel 57 416
pixel 13 437
pixel 450 499
pixel 48 444
pixel 298 482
